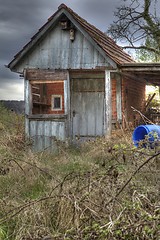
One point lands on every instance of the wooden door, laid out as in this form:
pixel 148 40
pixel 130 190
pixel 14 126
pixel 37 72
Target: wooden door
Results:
pixel 87 108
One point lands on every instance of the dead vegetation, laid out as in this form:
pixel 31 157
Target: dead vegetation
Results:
pixel 105 189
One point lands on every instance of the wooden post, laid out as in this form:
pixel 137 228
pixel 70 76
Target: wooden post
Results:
pixel 68 130
pixel 119 97
pixel 65 96
pixel 27 99
pixel 27 95
pixel 108 104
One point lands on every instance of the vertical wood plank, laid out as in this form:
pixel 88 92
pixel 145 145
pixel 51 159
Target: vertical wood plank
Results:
pixel 108 104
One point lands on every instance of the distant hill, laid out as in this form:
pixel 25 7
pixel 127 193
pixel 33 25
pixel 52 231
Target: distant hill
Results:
pixel 16 106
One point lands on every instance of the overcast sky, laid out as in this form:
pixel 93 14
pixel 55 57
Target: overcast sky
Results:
pixel 21 19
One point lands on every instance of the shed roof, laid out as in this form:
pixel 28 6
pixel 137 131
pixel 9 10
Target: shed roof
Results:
pixel 102 41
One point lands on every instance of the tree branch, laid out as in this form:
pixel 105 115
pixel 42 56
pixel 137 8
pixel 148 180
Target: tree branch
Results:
pixel 135 23
pixel 142 47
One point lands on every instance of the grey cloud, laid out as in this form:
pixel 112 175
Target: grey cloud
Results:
pixel 99 13
pixel 5 73
pixel 21 19
pixel 11 91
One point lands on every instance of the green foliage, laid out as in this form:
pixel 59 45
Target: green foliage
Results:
pixel 144 55
pixel 3 233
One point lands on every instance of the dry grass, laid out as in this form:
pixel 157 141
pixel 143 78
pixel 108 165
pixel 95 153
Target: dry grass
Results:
pixel 77 193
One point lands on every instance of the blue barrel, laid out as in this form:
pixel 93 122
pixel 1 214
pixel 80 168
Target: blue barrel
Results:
pixel 146 135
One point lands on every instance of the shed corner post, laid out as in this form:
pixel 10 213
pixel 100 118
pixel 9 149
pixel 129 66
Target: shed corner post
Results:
pixel 108 105
pixel 27 101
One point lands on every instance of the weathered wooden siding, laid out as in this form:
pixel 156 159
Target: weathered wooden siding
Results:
pixel 45 133
pixel 57 51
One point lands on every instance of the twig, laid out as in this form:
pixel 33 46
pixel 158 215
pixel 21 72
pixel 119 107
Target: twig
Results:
pixel 142 116
pixel 21 208
pixel 62 183
pixel 18 165
pixel 35 166
pixel 149 100
pixel 128 181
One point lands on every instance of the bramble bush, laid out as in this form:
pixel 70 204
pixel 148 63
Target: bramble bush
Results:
pixel 102 189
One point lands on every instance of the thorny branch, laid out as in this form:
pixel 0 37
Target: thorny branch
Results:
pixel 130 178
pixel 18 210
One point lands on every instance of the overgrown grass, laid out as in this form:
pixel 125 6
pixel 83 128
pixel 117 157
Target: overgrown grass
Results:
pixel 105 189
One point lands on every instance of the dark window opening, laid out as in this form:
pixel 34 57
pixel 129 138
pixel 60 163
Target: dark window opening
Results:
pixel 56 102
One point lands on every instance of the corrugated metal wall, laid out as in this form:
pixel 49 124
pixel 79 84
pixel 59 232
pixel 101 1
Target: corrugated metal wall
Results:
pixel 45 133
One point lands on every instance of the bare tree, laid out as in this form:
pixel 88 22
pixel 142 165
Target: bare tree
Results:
pixel 137 21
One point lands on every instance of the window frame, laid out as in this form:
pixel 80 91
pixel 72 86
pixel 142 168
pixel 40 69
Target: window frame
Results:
pixel 52 103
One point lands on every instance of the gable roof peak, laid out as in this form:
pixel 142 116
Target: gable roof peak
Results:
pixel 104 43
pixel 62 6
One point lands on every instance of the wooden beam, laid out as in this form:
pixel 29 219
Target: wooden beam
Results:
pixel 45 81
pixel 27 97
pixel 48 117
pixel 45 74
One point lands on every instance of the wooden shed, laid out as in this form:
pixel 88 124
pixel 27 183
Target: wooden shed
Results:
pixel 77 83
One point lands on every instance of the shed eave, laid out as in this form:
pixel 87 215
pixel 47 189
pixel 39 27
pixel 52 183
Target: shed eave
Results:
pixel 140 67
pixel 149 72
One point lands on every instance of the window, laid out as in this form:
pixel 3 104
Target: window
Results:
pixel 56 102
pixel 47 97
